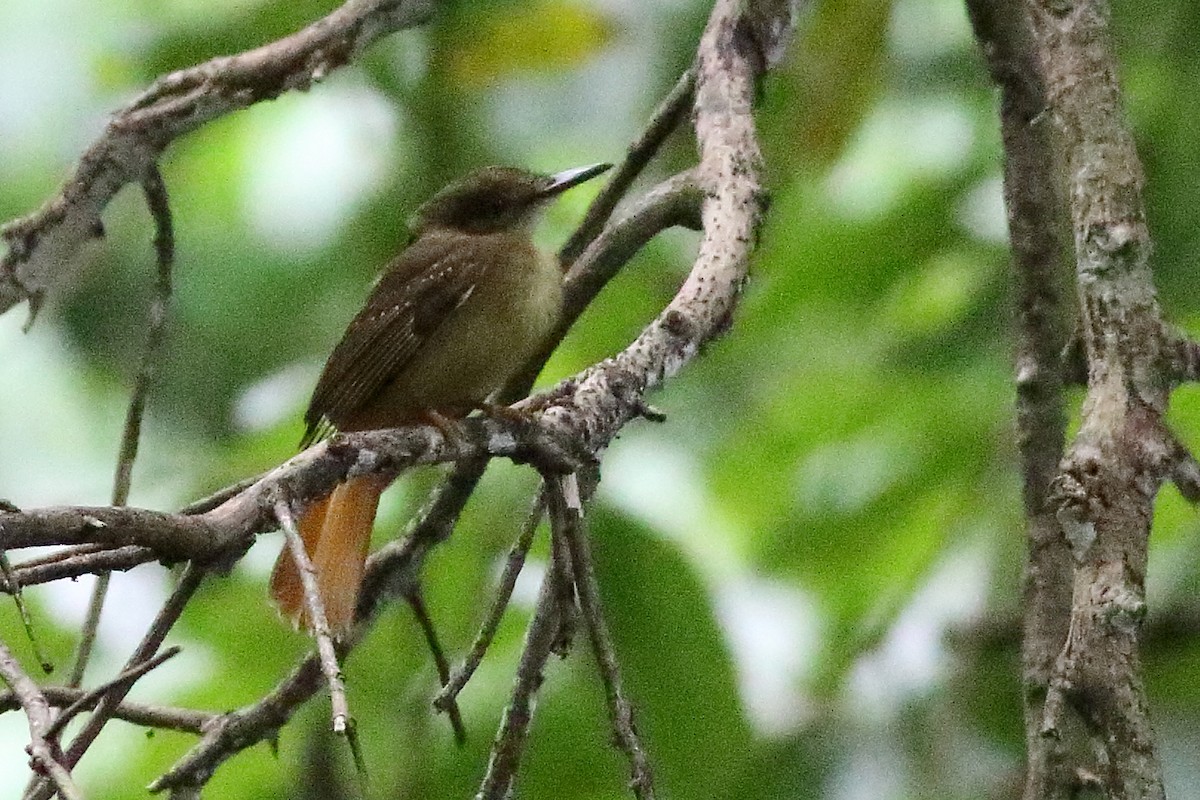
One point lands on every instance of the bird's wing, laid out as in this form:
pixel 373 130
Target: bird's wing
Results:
pixel 417 292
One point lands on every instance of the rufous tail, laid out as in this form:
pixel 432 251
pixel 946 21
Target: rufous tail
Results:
pixel 336 533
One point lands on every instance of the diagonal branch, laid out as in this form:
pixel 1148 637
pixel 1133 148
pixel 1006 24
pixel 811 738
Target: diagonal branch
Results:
pixel 43 246
pixel 342 721
pixel 663 122
pixel 566 516
pixel 540 637
pixel 46 756
pixel 159 204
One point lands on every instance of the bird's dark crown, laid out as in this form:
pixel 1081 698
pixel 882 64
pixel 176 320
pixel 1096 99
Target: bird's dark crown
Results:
pixel 494 199
pixel 488 200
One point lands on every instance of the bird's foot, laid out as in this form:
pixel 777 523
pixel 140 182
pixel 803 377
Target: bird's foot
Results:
pixel 450 428
pixel 515 416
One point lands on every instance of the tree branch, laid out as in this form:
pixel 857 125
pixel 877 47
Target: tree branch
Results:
pixel 663 122
pixel 43 246
pixel 1104 494
pixel 46 756
pixel 330 668
pixel 499 780
pixel 567 516
pixel 1036 221
pixel 571 423
pixel 183 720
pixel 159 204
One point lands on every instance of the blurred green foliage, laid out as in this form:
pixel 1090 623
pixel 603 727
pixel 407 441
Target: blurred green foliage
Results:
pixel 834 491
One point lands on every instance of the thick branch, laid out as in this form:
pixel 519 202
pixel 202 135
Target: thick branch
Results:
pixel 729 64
pixel 1035 219
pixel 311 474
pixel 1105 493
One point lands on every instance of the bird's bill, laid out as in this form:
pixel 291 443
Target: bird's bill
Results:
pixel 561 181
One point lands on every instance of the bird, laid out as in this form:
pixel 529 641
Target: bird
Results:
pixel 450 319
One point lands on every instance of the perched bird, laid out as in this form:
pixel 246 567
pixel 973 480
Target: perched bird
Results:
pixel 449 321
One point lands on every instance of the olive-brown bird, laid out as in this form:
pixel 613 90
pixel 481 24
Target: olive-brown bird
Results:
pixel 449 321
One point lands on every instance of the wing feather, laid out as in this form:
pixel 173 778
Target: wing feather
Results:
pixel 420 289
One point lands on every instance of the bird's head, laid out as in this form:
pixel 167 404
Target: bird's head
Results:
pixel 495 199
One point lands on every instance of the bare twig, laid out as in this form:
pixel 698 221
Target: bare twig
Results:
pixel 1036 220
pixel 122 682
pixel 540 637
pixel 417 603
pixel 103 559
pixel 12 584
pixel 151 716
pixel 46 755
pixel 235 731
pixel 219 497
pixel 193 575
pixel 487 631
pixel 42 246
pixel 663 121
pixel 87 633
pixel 316 616
pixel 159 204
pixel 675 201
pixel 567 515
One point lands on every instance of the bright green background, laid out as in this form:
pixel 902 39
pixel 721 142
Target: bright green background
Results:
pixel 793 564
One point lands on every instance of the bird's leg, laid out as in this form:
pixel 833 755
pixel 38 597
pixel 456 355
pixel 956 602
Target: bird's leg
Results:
pixel 446 425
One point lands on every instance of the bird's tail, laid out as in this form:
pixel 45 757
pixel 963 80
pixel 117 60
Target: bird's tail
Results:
pixel 337 535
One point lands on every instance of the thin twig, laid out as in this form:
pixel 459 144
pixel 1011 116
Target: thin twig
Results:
pixel 566 514
pixel 663 121
pixel 417 603
pixel 487 631
pixel 102 559
pixel 87 633
pixel 235 731
pixel 206 504
pixel 123 681
pixel 12 585
pixel 61 554
pixel 192 577
pixel 158 202
pixel 506 751
pixel 316 616
pixel 184 720
pixel 47 757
